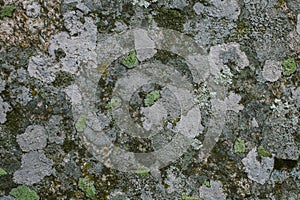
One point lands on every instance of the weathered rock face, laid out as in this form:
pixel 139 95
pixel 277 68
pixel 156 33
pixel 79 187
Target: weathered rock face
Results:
pixel 148 99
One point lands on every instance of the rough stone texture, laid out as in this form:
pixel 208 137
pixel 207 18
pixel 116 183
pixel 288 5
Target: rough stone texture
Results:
pixel 57 58
pixel 33 9
pixel 2 84
pixel 272 70
pixel 55 133
pixel 298 24
pixel 5 107
pixel 219 9
pixel 258 171
pixel 213 192
pixel 7 198
pixel 34 138
pixel 35 166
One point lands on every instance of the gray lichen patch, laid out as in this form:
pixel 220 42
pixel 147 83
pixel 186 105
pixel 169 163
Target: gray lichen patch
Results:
pixel 35 166
pixel 258 171
pixel 5 107
pixel 220 55
pixel 42 67
pixel 54 131
pixel 219 9
pixel 34 138
pixel 214 191
pixel 272 70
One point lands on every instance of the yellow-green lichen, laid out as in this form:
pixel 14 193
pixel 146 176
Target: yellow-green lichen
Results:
pixel 81 123
pixel 262 152
pixel 2 172
pixel 7 11
pixel 131 60
pixel 87 186
pixel 115 102
pixel 185 197
pixel 289 66
pixel 142 171
pixel 24 193
pixel 151 98
pixel 239 146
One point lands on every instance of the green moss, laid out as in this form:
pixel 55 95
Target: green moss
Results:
pixel 24 193
pixel 239 146
pixel 114 103
pixel 185 197
pixel 87 187
pixel 131 60
pixel 262 152
pixel 81 123
pixel 142 171
pixel 7 11
pixel 2 172
pixel 289 66
pixel 151 98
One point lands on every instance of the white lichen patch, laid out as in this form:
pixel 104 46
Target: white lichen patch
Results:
pixel 215 191
pixel 272 70
pixel 258 171
pixel 34 138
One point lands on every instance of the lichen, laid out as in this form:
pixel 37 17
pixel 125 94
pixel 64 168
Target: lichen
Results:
pixel 289 66
pixel 81 123
pixel 151 98
pixel 24 193
pixel 262 152
pixel 239 146
pixel 87 186
pixel 7 11
pixel 2 172
pixel 131 60
pixel 185 197
pixel 142 171
pixel 114 103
